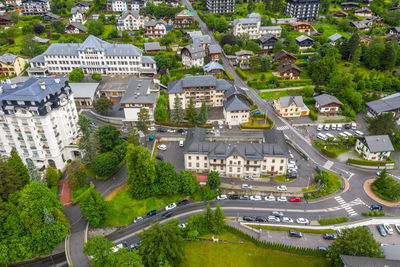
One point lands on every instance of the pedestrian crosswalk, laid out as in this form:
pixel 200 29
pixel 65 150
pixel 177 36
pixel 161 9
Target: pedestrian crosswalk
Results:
pixel 347 206
pixel 328 164
pixel 281 128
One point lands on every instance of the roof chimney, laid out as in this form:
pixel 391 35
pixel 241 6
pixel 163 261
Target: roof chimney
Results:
pixel 42 85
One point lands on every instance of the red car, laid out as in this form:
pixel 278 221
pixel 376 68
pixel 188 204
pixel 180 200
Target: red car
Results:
pixel 295 199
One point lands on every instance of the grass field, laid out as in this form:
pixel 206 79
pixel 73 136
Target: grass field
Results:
pixel 122 209
pixel 330 29
pixel 201 254
pixel 282 179
pixel 278 94
pixel 222 237
pixel 286 229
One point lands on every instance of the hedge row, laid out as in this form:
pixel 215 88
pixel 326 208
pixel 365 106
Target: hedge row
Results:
pixel 374 213
pixel 328 153
pixel 229 76
pixel 333 220
pixel 276 246
pixel 282 84
pixel 241 73
pixel 84 193
pixel 183 124
pixel 370 162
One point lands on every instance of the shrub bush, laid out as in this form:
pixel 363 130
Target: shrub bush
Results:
pixel 331 182
pixel 329 153
pixel 374 213
pixel 105 164
pixel 370 162
pixel 330 221
pixel 241 73
pixel 97 77
pixel 83 194
pixel 313 115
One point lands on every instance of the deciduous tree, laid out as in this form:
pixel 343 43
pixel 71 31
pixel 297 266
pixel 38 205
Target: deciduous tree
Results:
pixel 76 75
pixel 266 63
pixel 108 137
pixel 213 180
pixel 76 175
pixel 93 207
pixel 161 111
pixel 103 105
pixel 105 164
pixel 143 120
pixel 133 137
pixel 167 181
pixel 384 123
pixel 10 181
pixel 163 61
pixel 52 176
pixel 189 182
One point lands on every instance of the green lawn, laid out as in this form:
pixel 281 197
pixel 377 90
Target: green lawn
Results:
pixel 225 237
pixel 278 94
pixel 122 209
pixel 282 179
pixel 330 29
pixel 286 229
pixel 201 254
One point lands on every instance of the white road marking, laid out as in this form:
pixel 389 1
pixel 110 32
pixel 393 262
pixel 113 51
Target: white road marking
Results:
pixel 281 128
pixel 347 206
pixel 328 164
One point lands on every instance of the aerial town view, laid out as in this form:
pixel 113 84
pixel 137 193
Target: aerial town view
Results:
pixel 200 133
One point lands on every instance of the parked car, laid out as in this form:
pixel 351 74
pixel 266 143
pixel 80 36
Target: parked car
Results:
pixel 181 143
pixel 287 220
pixel 249 218
pixel 161 130
pixel 347 126
pixel 281 188
pixel 181 131
pixel 302 221
pixel 222 197
pixel 291 156
pixel 183 202
pixel 322 248
pixel 294 233
pixel 234 197
pixel 244 197
pixel 131 246
pixel 397 226
pixel 170 206
pixel 274 219
pixel 182 225
pixel 326 127
pixel 339 127
pixel 295 199
pixel 261 219
pixel 255 198
pixel 292 166
pixel 353 125
pixel 329 236
pixel 152 213
pixel 167 214
pixel 282 199
pixel 376 207
pixel 171 130
pixel 388 228
pixel 246 186
pixel 162 147
pixel 159 157
pixel 381 230
pixel 151 129
pixel 248 177
pixel 277 213
pixel 138 219
pixel 291 175
pixel 333 126
pixel 319 127
pixel 269 198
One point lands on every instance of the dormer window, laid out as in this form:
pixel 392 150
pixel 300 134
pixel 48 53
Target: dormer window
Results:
pixel 33 103
pixel 21 102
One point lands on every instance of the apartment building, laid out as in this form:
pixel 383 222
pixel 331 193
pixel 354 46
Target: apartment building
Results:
pixel 11 64
pixel 374 147
pixel 35 7
pixel 124 5
pixel 93 56
pixel 193 55
pixel 78 15
pixel 39 119
pixel 252 26
pixel 220 6
pixel 216 93
pixel 302 9
pixel 155 28
pixel 131 21
pixel 184 18
pixel 256 154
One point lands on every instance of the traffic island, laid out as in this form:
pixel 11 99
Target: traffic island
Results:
pixel 371 194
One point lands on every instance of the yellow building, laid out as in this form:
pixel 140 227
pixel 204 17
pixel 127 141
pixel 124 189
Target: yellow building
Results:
pixel 291 106
pixel 11 64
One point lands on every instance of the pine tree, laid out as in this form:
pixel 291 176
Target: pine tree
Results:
pixel 177 115
pixel 15 162
pixel 203 115
pixel 48 217
pixel 218 221
pixel 191 112
pixel 33 173
pixel 143 120
pixel 208 217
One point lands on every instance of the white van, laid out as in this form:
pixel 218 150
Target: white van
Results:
pixel 322 136
pixel 353 125
pixel 333 127
pixel 328 135
pixel 319 127
pixel 343 135
pixel 347 133
pixel 339 127
pixel 326 127
pixel 181 143
pixel 358 133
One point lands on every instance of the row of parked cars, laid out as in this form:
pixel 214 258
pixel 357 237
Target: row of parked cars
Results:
pixel 387 229
pixel 338 126
pixel 345 135
pixel 259 198
pixel 275 217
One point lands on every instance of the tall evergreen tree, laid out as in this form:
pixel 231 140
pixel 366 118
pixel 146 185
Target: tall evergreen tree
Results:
pixel 15 162
pixel 10 182
pixel 388 58
pixel 177 114
pixel 208 217
pixel 203 115
pixel 87 142
pixel 33 172
pixel 93 207
pixel 218 222
pixel 48 217
pixel 143 120
pixel 191 112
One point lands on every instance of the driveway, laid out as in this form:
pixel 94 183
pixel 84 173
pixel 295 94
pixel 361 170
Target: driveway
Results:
pixel 174 154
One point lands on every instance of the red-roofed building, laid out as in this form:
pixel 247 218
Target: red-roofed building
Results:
pixel 202 178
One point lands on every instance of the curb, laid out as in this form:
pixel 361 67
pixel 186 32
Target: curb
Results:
pixel 67 252
pixel 371 195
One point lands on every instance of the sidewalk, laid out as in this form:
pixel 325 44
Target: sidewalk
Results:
pixel 66 192
pixel 368 191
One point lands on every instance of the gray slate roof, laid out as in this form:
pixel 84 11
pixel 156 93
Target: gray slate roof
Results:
pixel 212 66
pixel 271 28
pixel 134 13
pixel 326 99
pixel 148 59
pixel 267 37
pixel 197 81
pixel 201 39
pixel 153 23
pixel 75 10
pixel 379 143
pixel 234 90
pixel 214 49
pixel 51 15
pixel 138 91
pixel 196 51
pixel 286 101
pixel 78 26
pixel 153 46
pixel 246 23
pixel 244 52
pixel 335 37
pixel 31 90
pixel 83 90
pixel 236 103
pixel 8 58
pixel 302 38
pixel 363 9
pixel 357 261
pixel 274 145
pixel 389 103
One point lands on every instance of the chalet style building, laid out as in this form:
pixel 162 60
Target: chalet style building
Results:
pixel 284 57
pixel 289 71
pixel 184 18
pixel 327 104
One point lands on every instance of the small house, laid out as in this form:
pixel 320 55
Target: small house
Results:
pixel 289 71
pixel 303 27
pixel 291 106
pixel 363 12
pixel 327 104
pixel 349 5
pixel 243 57
pixel 334 38
pixel 74 27
pixel 394 30
pixel 193 55
pixel 285 57
pixel 184 18
pixel 213 68
pixel 155 28
pixel 214 52
pixel 304 42
pixel 51 17
pixel 268 41
pixel 374 147
pixel 339 14
pixel 153 47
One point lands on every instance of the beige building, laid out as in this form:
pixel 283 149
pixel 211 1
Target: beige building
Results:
pixel 291 106
pixel 11 64
pixel 253 153
pixel 375 147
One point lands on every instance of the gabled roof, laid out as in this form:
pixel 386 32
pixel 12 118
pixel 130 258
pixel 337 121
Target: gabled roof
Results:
pixel 75 10
pixel 196 51
pixel 236 103
pixel 201 39
pixel 246 22
pixel 148 59
pixel 363 9
pixel 134 13
pixel 389 103
pixel 286 101
pixel 396 29
pixel 326 99
pixel 335 37
pixel 234 90
pixel 300 23
pixel 8 58
pixel 153 23
pixel 286 67
pixel 283 53
pixel 51 15
pixel 340 12
pixel 349 4
pixel 302 38
pixel 78 26
pixel 153 46
pixel 185 12
pixel 84 90
pixel 213 66
pixel 358 261
pixel 197 81
pixel 378 143
pixel 270 28
pixel 244 52
pixel 81 3
pixel 267 37
pixel 214 49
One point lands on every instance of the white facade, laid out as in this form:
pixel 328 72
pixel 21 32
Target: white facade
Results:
pixel 46 139
pixel 78 16
pixel 366 153
pixel 131 21
pixel 35 7
pixel 93 56
pixel 252 26
pixel 236 117
pixel 190 62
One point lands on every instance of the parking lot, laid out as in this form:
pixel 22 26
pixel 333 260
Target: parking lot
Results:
pixel 393 239
pixel 308 240
pixel 174 154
